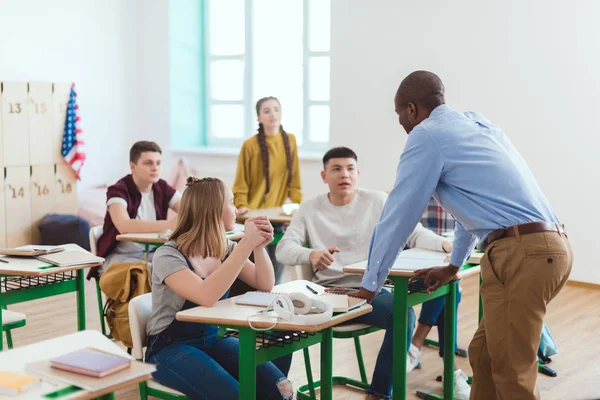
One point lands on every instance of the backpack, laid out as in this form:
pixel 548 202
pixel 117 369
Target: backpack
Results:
pixel 121 282
pixel 547 347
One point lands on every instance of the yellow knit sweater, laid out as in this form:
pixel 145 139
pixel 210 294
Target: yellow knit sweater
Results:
pixel 250 184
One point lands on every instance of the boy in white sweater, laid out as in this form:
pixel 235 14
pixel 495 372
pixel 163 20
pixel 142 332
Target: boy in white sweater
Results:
pixel 338 227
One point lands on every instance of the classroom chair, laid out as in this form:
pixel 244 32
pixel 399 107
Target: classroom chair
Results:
pixel 349 330
pixel 95 233
pixel 140 308
pixel 11 320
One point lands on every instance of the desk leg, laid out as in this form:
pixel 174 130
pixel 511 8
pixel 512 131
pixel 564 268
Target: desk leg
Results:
pixel 1 332
pixel 80 300
pixel 400 337
pixel 247 364
pixel 449 339
pixel 327 365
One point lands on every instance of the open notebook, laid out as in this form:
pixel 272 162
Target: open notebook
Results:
pixel 31 250
pixel 339 302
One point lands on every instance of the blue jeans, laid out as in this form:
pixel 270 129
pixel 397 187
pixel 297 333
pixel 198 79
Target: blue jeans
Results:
pixel 382 317
pixel 432 313
pixel 206 368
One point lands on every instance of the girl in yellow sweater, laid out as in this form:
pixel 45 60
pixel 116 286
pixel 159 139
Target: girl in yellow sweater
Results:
pixel 268 171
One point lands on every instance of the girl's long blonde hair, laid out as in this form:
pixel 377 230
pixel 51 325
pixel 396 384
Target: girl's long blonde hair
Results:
pixel 200 227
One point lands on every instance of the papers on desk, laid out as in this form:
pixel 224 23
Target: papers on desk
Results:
pixel 72 254
pixel 238 228
pixel 475 258
pixel 341 302
pixel 288 209
pixel 413 259
pixel 166 234
pixel 338 302
pixel 31 250
pixel 70 258
pixel 13 384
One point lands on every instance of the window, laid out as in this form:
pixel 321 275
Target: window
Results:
pixel 226 54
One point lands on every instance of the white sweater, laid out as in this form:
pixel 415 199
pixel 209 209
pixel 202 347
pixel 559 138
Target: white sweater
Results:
pixel 320 224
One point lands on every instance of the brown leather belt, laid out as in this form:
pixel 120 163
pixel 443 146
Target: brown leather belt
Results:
pixel 524 229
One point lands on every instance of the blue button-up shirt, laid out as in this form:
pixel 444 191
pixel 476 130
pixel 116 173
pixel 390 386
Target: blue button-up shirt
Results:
pixel 473 170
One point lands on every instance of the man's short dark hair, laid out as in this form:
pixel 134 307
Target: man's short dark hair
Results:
pixel 338 152
pixel 422 88
pixel 142 147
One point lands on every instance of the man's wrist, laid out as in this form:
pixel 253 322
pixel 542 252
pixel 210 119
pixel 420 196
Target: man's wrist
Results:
pixel 454 268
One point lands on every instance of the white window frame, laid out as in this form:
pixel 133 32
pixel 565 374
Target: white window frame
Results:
pixel 248 101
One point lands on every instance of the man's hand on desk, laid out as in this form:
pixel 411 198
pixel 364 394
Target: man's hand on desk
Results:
pixel 437 275
pixel 322 259
pixel 362 292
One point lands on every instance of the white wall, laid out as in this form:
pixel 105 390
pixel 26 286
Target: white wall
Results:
pixel 92 44
pixel 530 66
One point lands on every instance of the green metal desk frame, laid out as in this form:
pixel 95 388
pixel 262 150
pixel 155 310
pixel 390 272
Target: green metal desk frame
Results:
pixel 250 357
pixel 47 289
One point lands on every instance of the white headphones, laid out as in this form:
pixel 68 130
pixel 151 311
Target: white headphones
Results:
pixel 296 308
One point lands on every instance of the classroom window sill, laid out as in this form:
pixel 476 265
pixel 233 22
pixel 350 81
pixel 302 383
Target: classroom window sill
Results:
pixel 231 152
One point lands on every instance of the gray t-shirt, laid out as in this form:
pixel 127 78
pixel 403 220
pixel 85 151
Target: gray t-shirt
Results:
pixel 165 302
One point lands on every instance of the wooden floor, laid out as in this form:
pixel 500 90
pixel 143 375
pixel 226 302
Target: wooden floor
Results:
pixel 573 318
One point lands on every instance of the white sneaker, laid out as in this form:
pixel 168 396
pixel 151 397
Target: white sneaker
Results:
pixel 413 358
pixel 462 390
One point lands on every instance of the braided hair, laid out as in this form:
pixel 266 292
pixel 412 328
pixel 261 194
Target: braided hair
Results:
pixel 264 151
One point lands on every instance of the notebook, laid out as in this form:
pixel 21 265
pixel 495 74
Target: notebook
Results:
pixel 92 384
pixel 260 299
pixel 13 384
pixel 69 258
pixel 339 302
pixel 31 250
pixel 475 258
pixel 90 362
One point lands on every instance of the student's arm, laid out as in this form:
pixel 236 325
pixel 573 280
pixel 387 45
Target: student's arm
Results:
pixel 291 249
pixel 206 292
pixel 259 274
pixel 424 238
pixel 175 200
pixel 125 224
pixel 296 184
pixel 242 178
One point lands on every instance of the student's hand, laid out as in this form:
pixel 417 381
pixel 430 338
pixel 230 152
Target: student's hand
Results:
pixel 265 226
pixel 447 246
pixel 243 210
pixel 255 235
pixel 322 259
pixel 262 223
pixel 435 277
pixel 362 292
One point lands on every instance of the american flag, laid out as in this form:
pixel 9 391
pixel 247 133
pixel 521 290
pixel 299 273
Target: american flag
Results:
pixel 72 143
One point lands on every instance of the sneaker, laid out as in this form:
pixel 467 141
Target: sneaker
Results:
pixel 462 390
pixel 414 358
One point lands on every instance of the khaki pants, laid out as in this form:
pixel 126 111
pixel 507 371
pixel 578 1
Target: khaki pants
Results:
pixel 520 276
